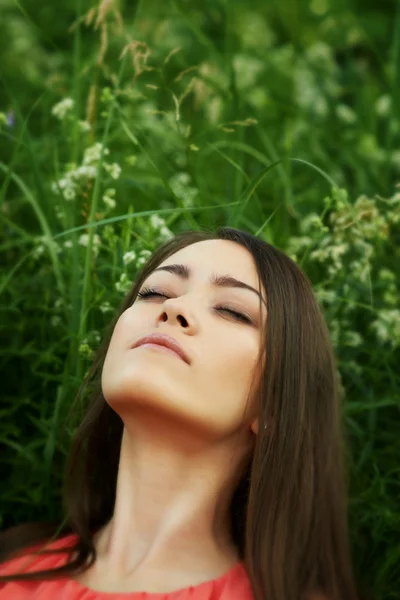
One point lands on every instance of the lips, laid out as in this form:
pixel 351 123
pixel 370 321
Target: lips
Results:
pixel 162 339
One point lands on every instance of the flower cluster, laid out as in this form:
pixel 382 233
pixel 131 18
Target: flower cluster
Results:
pixel 143 257
pixel 180 185
pixel 160 229
pixel 346 248
pixel 129 257
pixel 63 108
pixel 109 198
pixel 89 345
pixel 96 241
pixel 77 178
pixel 124 284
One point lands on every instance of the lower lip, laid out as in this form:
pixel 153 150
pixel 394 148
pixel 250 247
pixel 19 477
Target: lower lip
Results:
pixel 159 347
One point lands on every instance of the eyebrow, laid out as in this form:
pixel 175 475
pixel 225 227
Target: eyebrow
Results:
pixel 184 272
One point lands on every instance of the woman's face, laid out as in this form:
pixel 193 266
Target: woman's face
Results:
pixel 209 394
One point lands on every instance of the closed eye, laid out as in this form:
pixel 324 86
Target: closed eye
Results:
pixel 146 292
pixel 238 316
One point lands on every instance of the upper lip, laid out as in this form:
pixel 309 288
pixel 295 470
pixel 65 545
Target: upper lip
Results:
pixel 163 340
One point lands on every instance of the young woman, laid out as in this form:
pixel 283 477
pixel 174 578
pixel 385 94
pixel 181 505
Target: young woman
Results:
pixel 209 463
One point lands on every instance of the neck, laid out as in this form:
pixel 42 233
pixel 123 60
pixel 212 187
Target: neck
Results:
pixel 172 500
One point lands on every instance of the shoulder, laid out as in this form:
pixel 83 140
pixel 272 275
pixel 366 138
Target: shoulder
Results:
pixel 45 555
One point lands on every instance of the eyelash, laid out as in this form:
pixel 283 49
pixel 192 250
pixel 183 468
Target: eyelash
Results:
pixel 147 292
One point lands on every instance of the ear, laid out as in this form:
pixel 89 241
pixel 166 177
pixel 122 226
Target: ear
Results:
pixel 254 426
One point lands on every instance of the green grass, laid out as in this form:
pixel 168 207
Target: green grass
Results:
pixel 278 118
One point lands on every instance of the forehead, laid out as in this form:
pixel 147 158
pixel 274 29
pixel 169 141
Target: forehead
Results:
pixel 222 257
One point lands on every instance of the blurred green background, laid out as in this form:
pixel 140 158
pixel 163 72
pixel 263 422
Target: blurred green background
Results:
pixel 122 123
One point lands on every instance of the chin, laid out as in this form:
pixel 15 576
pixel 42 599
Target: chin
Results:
pixel 135 390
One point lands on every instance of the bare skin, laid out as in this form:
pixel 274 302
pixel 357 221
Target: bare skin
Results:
pixel 187 427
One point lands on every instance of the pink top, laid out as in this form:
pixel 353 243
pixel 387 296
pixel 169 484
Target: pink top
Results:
pixel 233 585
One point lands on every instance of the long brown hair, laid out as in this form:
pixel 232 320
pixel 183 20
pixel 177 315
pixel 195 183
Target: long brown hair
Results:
pixel 288 513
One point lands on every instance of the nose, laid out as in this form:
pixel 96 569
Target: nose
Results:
pixel 175 311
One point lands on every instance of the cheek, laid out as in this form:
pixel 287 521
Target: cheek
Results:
pixel 234 368
pixel 125 331
pixel 227 388
pixel 123 337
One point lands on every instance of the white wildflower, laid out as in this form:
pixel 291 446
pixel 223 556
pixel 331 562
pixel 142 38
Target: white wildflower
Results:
pixel 109 197
pixel 157 221
pixel 129 257
pixel 93 153
pixel 320 254
pixel 180 186
pixel 311 221
pixel 62 108
pixel 143 257
pixel 338 251
pixel 84 126
pixel 67 187
pixel 330 252
pixel 110 202
pixel 69 193
pixel 298 244
pixel 387 326
pixel 308 93
pixel 124 284
pixel 62 183
pixel 85 172
pixel 114 170
pixel 73 180
pixel 84 240
pixel 68 244
pixel 360 270
pixel 105 307
pixel 94 337
pixel 165 233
